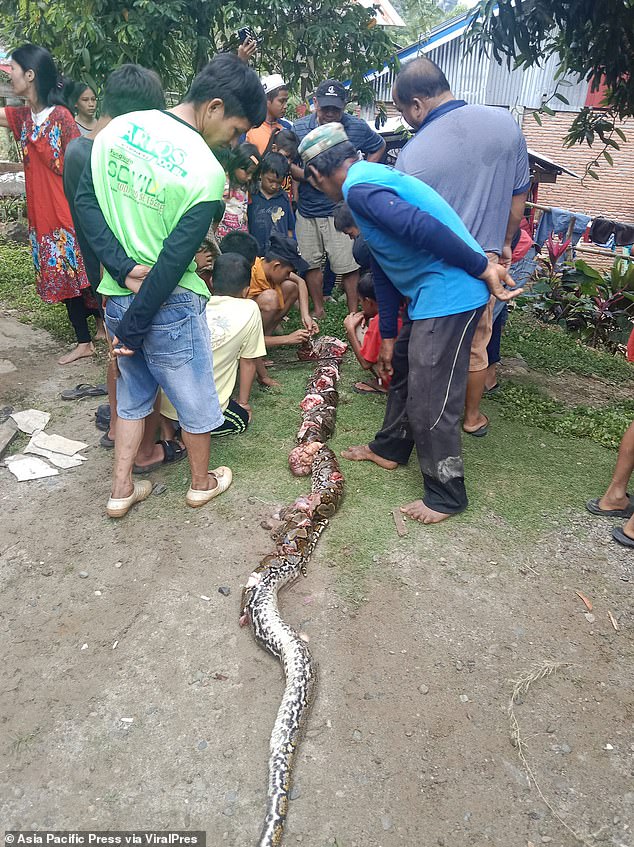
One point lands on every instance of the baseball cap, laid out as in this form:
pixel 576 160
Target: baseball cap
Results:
pixel 331 93
pixel 271 82
pixel 320 139
pixel 285 249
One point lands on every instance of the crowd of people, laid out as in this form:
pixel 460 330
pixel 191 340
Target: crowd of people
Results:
pixel 193 231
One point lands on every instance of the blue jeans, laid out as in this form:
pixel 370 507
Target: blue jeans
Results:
pixel 175 355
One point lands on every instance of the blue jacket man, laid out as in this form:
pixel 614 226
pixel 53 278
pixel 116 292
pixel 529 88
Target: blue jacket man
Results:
pixel 421 250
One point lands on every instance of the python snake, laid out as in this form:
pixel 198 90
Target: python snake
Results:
pixel 302 524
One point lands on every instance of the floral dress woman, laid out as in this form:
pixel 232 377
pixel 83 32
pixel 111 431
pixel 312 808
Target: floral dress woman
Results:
pixel 59 267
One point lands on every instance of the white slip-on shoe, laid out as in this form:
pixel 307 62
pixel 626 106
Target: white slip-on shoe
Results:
pixel 118 507
pixel 224 478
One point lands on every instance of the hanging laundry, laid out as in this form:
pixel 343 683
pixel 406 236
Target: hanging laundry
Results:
pixel 557 221
pixel 624 235
pixel 603 229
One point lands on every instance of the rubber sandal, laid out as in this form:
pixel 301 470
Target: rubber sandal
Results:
pixel 195 498
pixel 494 389
pixel 621 538
pixel 593 507
pixel 103 419
pixel 118 507
pixel 172 452
pixel 371 389
pixel 480 432
pixel 106 442
pixel 84 390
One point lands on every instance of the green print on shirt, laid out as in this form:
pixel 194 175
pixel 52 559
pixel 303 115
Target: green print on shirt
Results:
pixel 141 186
pixel 163 152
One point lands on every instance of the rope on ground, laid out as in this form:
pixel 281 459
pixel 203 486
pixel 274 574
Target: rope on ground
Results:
pixel 521 686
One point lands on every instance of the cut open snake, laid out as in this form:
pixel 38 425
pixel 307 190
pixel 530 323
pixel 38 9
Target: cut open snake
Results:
pixel 302 524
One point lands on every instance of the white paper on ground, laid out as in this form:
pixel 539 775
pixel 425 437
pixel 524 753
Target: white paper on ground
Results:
pixel 58 459
pixel 29 467
pixel 56 443
pixel 31 420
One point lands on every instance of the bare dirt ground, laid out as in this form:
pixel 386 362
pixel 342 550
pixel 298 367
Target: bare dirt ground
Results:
pixel 129 702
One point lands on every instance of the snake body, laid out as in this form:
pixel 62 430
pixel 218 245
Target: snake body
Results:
pixel 302 524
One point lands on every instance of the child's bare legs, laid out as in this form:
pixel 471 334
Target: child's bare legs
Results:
pixel 290 292
pixel 168 429
pixel 350 284
pixel 269 306
pixel 263 376
pixel 616 495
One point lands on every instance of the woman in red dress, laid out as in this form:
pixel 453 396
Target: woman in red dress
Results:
pixel 43 129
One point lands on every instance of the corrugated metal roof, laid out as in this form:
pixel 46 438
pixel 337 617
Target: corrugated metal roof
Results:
pixel 477 78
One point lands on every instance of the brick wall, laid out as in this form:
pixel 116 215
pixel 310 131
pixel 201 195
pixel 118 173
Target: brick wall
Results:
pixel 611 197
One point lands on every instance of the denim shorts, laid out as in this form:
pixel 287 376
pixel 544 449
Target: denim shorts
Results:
pixel 175 355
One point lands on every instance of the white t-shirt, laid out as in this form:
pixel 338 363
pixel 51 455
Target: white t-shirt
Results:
pixel 235 327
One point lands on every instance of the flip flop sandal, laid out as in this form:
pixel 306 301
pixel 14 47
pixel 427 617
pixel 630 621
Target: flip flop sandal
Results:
pixel 619 536
pixel 593 507
pixel 102 419
pixel 106 442
pixel 480 432
pixel 370 390
pixel 84 390
pixel 494 390
pixel 118 507
pixel 172 452
pixel 195 498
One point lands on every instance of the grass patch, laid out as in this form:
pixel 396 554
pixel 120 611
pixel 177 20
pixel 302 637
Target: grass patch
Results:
pixel 520 479
pixel 526 474
pixel 529 405
pixel 550 349
pixel 17 292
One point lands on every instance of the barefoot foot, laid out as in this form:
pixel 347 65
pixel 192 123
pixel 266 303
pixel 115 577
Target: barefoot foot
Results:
pixel 418 511
pixel 82 351
pixel 100 334
pixel 269 382
pixel 362 453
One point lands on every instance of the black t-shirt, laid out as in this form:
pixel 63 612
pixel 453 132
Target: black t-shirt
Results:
pixel 75 158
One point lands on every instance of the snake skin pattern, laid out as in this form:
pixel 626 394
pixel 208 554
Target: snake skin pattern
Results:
pixel 302 524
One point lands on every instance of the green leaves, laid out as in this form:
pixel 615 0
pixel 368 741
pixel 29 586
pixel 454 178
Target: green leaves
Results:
pixel 305 43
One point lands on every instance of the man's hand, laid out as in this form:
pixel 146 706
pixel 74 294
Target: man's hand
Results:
pixel 384 362
pixel 496 276
pixel 119 350
pixel 204 260
pixel 134 279
pixel 353 320
pixel 298 337
pixel 247 49
pixel 310 324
